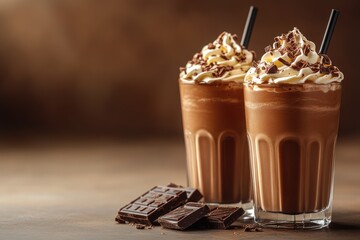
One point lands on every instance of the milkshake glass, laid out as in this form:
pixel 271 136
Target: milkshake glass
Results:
pixel 292 106
pixel 212 103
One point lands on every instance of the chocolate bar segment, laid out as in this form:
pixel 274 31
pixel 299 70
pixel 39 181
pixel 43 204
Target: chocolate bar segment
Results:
pixel 222 217
pixel 193 194
pixel 184 216
pixel 156 202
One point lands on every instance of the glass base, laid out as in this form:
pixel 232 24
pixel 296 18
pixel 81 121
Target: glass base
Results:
pixel 311 221
pixel 249 212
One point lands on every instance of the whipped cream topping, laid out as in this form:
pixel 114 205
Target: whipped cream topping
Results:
pixel 292 59
pixel 222 60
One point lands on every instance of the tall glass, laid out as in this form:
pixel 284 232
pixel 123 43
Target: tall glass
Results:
pixel 292 131
pixel 215 139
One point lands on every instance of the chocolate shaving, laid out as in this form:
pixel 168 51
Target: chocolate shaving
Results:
pixel 221 36
pixel 268 48
pixel 235 37
pixel 290 36
pixel 224 57
pixel 335 74
pixel 315 67
pixel 292 47
pixel 181 69
pixel 299 65
pixel 283 61
pixel 290 55
pixel 271 68
pixel 211 46
pixel 221 70
pixel 306 49
pixel 325 59
pixel 198 56
pixel 253 54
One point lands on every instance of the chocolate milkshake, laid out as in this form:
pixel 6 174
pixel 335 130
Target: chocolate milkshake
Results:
pixel 292 103
pixel 211 89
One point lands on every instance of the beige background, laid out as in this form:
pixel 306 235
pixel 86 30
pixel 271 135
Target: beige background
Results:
pixel 111 67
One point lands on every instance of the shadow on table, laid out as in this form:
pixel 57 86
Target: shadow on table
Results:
pixel 349 221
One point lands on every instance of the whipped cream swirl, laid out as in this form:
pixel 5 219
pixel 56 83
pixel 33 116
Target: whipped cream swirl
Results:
pixel 292 59
pixel 222 60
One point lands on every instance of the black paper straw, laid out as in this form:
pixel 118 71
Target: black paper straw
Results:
pixel 329 31
pixel 249 26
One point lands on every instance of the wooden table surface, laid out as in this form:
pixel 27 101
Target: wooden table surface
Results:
pixel 73 189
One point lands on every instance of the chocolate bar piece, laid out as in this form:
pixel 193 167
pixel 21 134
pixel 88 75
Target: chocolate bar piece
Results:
pixel 222 217
pixel 148 207
pixel 193 195
pixel 184 216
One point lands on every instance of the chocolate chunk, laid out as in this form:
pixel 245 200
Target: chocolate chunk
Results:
pixel 283 61
pixel 252 228
pixel 148 207
pixel 272 68
pixel 324 70
pixel 184 216
pixel 140 226
pixel 193 195
pixel 222 217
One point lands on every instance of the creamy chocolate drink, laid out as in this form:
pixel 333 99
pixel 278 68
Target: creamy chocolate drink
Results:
pixel 292 103
pixel 211 89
